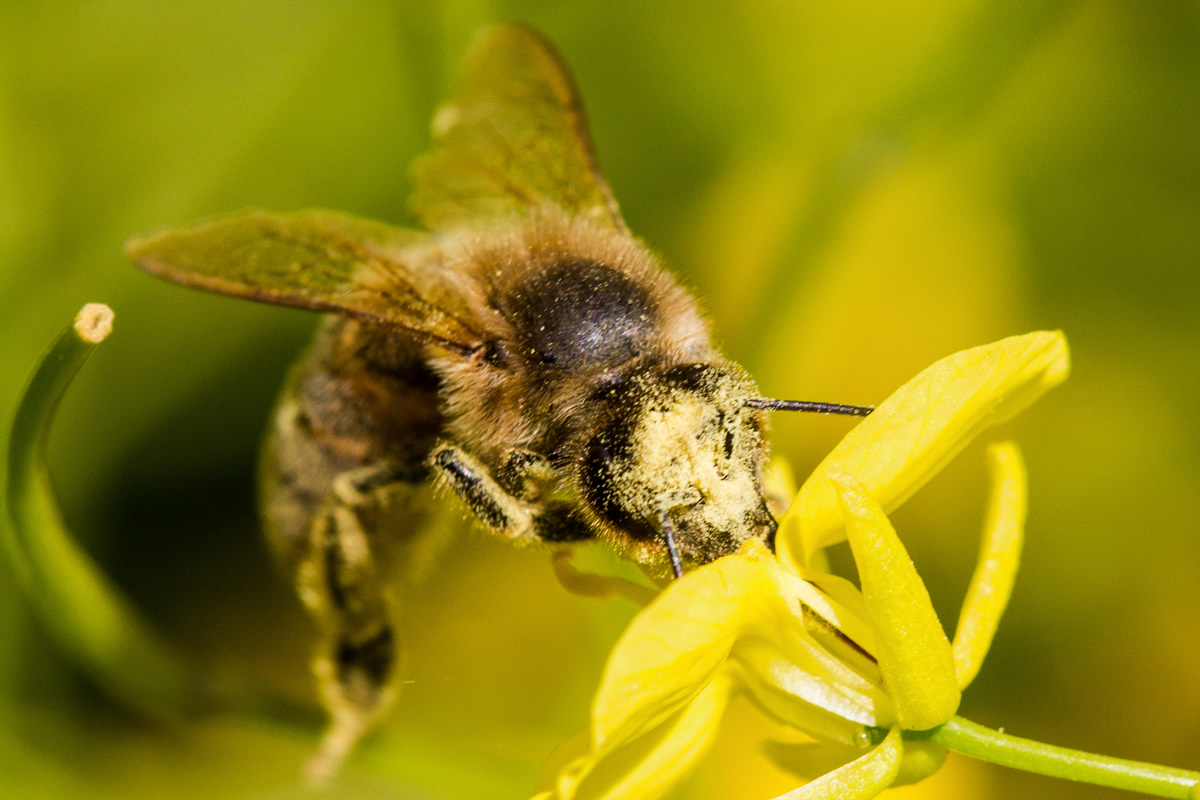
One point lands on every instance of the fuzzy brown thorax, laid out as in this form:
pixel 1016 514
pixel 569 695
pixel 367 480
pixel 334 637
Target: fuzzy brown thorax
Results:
pixel 564 305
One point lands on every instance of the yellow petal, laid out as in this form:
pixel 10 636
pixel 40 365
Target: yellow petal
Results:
pixel 651 765
pixel 862 778
pixel 914 655
pixel 810 760
pixel 827 702
pixel 999 557
pixel 675 646
pixel 836 601
pixel 808 652
pixel 916 431
pixel 562 769
pixel 779 485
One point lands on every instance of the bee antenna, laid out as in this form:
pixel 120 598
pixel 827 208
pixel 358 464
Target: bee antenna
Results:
pixel 813 408
pixel 668 529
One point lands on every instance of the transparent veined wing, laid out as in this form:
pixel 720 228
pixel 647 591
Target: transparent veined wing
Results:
pixel 319 260
pixel 510 141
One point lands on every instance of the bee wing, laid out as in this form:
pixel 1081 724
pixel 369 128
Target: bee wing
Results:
pixel 319 260
pixel 513 138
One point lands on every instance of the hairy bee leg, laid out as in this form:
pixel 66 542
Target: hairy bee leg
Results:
pixel 471 481
pixel 344 587
pixel 512 517
pixel 524 472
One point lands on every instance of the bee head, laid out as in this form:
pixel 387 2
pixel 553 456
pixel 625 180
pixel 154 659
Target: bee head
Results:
pixel 676 471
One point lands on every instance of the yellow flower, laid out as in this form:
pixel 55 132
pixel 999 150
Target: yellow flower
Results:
pixel 853 669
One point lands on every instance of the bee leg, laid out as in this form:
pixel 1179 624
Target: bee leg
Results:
pixel 471 480
pixel 515 517
pixel 343 584
pixel 525 473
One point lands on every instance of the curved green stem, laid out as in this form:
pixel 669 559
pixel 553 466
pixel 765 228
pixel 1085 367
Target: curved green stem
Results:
pixel 85 612
pixel 986 744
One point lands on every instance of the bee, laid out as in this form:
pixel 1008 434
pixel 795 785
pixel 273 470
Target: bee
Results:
pixel 525 350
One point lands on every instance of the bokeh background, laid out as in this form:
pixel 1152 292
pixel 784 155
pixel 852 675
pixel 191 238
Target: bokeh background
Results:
pixel 854 189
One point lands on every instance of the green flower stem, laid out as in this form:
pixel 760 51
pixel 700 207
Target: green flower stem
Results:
pixel 986 744
pixel 85 612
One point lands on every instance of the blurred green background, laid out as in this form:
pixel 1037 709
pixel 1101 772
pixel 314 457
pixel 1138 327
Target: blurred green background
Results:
pixel 854 189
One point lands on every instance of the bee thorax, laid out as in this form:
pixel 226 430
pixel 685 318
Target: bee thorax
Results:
pixel 581 315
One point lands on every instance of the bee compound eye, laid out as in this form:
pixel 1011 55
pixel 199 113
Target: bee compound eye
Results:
pixel 596 472
pixel 605 484
pixel 600 453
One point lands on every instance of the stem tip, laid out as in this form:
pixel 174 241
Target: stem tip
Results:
pixel 94 322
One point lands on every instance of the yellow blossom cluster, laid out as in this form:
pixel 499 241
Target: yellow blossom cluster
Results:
pixel 852 667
